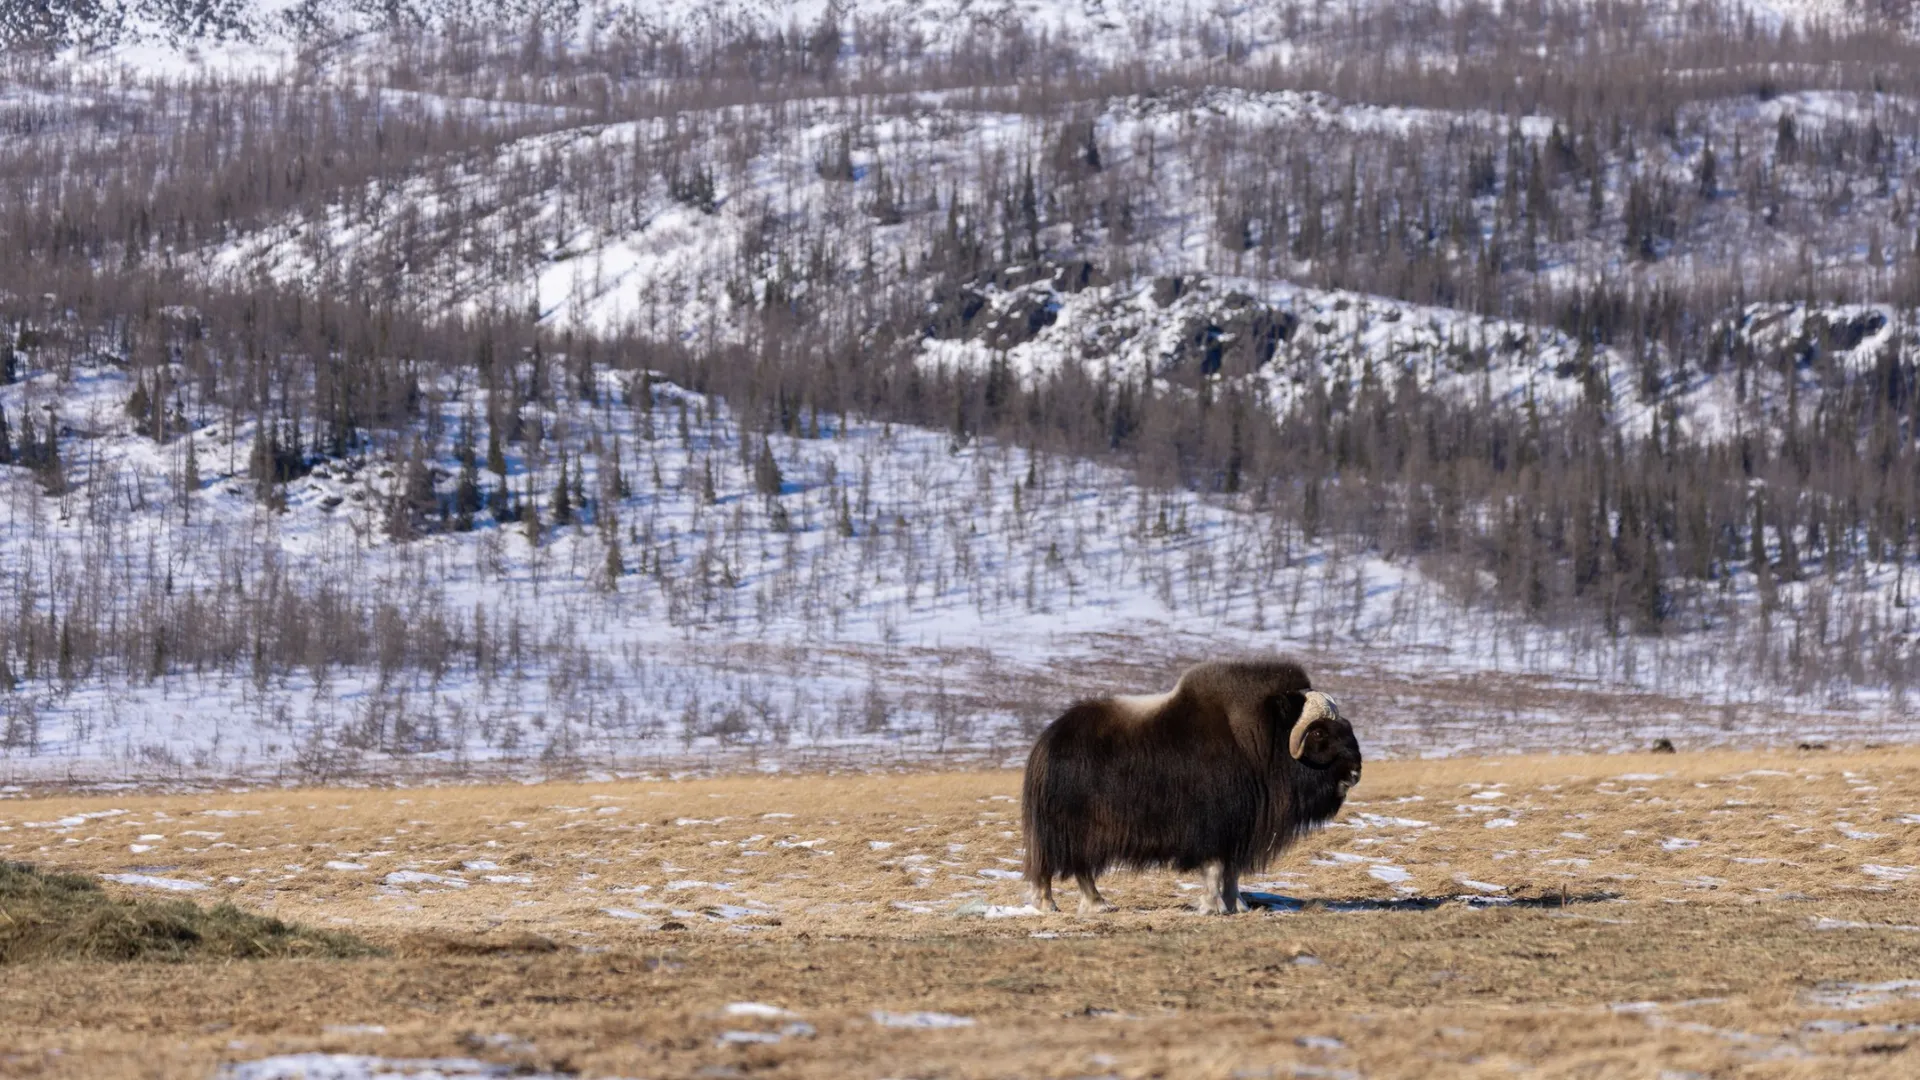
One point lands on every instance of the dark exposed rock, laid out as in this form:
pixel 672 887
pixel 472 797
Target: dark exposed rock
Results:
pixel 1168 289
pixel 966 312
pixel 1823 335
pixel 1237 341
pixel 1029 314
pixel 953 315
pixel 1837 334
pixel 1078 275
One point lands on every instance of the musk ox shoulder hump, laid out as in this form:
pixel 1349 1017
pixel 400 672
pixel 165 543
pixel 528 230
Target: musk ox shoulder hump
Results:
pixel 1247 679
pixel 1140 706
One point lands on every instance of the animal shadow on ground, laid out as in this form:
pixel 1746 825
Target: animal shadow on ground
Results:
pixel 1277 902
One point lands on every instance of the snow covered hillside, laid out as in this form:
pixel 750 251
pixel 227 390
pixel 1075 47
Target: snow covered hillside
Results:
pixel 858 593
pixel 422 388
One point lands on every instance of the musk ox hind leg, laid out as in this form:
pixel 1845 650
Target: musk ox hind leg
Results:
pixel 1222 893
pixel 1091 902
pixel 1040 894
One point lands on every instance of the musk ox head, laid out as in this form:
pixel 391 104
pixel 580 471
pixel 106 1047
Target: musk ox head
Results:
pixel 1322 745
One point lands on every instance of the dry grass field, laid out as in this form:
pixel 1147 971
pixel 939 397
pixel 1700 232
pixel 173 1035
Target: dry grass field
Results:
pixel 1712 914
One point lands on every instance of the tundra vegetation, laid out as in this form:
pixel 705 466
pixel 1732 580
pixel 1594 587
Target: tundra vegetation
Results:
pixel 1719 912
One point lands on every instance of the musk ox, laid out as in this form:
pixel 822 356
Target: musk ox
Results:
pixel 1220 773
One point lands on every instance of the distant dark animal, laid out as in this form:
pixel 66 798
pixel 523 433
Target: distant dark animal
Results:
pixel 1219 774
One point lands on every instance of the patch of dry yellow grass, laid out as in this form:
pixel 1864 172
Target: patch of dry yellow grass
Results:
pixel 1751 895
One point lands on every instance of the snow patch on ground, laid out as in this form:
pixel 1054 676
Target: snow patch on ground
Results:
pixel 319 1066
pixel 924 1021
pixel 421 877
pixel 1851 995
pixel 148 881
pixel 758 1009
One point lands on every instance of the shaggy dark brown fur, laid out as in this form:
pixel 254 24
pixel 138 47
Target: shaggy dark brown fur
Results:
pixel 1219 774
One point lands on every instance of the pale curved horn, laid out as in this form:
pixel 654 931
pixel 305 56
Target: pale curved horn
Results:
pixel 1318 706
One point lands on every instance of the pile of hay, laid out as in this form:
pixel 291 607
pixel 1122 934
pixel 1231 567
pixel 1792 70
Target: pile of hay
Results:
pixel 53 916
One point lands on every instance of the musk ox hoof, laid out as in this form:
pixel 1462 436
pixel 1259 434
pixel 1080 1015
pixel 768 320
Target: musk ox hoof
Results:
pixel 1090 907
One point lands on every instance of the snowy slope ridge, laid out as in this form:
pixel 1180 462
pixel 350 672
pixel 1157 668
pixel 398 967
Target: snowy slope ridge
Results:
pixel 939 23
pixel 648 259
pixel 705 598
pixel 1105 27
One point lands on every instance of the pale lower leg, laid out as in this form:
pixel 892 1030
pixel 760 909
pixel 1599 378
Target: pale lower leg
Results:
pixel 1040 895
pixel 1222 893
pixel 1090 898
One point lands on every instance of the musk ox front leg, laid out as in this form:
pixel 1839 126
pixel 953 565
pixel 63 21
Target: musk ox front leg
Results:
pixel 1222 894
pixel 1091 902
pixel 1040 895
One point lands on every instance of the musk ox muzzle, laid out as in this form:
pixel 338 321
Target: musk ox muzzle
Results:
pixel 1220 774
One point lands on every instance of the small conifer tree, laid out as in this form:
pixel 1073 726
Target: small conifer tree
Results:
pixel 562 497
pixel 766 471
pixel 466 497
pixel 496 458
pixel 579 484
pixel 47 466
pixel 189 480
pixel 616 565
pixel 66 661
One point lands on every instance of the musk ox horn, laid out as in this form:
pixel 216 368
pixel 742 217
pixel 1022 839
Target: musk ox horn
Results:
pixel 1319 706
